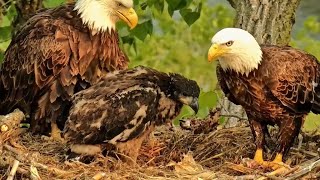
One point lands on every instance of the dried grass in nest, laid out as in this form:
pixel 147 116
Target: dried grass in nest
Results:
pixel 171 153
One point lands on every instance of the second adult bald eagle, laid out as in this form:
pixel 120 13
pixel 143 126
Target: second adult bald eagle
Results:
pixel 124 107
pixel 275 85
pixel 58 52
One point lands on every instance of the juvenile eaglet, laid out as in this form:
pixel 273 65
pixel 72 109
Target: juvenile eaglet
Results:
pixel 123 109
pixel 275 85
pixel 59 52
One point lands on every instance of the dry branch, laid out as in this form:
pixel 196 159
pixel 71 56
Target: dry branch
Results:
pixel 11 121
pixel 13 170
pixel 308 167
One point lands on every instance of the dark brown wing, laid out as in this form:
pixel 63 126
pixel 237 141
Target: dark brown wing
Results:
pixel 99 115
pixel 53 56
pixel 293 77
pixel 34 61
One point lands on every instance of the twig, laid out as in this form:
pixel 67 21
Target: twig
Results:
pixel 246 177
pixel 34 175
pixel 306 152
pixel 24 158
pixel 99 176
pixel 310 165
pixel 13 170
pixel 234 116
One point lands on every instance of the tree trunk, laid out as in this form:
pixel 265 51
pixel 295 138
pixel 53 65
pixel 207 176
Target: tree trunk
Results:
pixel 25 9
pixel 270 22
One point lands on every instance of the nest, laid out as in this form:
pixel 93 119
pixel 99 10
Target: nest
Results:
pixel 202 150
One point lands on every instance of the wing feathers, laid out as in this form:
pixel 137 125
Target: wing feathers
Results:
pixel 47 61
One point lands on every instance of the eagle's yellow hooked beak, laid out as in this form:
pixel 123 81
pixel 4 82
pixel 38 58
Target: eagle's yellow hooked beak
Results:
pixel 215 52
pixel 129 16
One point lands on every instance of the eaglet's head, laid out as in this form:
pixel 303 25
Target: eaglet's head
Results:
pixel 236 49
pixel 102 15
pixel 185 91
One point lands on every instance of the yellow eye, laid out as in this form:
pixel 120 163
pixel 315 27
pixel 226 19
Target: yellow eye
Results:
pixel 229 43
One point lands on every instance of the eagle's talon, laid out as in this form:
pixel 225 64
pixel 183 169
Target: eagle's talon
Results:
pixel 55 133
pixel 279 169
pixel 56 137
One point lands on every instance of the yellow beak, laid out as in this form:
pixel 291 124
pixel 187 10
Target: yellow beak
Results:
pixel 215 52
pixel 129 16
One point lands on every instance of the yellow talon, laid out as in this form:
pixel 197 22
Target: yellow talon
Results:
pixel 258 156
pixel 55 133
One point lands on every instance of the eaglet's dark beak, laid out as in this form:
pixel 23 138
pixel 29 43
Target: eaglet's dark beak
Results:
pixel 190 101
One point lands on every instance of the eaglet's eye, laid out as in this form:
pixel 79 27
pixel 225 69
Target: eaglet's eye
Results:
pixel 229 43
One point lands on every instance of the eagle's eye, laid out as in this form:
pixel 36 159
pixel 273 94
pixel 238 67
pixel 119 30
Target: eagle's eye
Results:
pixel 119 4
pixel 229 43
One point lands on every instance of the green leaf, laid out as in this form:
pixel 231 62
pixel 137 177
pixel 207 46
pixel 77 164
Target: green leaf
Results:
pixel 151 2
pixel 174 5
pixel 144 6
pixel 11 13
pixel 178 4
pixel 159 5
pixel 5 33
pixel 129 40
pixel 207 100
pixel 51 3
pixel 143 29
pixel 136 2
pixel 1 56
pixel 190 16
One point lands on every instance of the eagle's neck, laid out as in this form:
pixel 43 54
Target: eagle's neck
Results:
pixel 95 15
pixel 243 62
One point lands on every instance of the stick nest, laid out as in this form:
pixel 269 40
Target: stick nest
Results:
pixel 202 150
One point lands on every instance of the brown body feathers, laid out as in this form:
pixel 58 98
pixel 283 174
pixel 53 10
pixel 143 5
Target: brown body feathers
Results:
pixel 282 91
pixel 51 57
pixel 123 108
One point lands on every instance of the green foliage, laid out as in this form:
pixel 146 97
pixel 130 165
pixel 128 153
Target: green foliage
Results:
pixel 177 47
pixel 6 29
pixel 190 11
pixel 207 100
pixel 307 38
pixel 53 3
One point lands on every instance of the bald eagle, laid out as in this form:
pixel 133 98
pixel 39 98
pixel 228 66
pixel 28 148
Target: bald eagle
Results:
pixel 275 85
pixel 124 107
pixel 58 52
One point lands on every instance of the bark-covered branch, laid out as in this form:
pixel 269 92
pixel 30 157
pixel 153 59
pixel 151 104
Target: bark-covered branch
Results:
pixel 232 3
pixel 270 21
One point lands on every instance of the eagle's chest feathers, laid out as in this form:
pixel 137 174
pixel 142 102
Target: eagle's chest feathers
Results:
pixel 250 92
pixel 98 55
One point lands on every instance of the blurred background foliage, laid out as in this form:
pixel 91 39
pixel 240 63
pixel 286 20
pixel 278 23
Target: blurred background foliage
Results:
pixel 174 36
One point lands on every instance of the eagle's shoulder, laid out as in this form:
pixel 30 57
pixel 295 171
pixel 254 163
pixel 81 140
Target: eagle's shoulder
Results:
pixel 47 21
pixel 291 75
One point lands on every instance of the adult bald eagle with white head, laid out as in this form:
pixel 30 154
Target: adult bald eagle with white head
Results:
pixel 59 52
pixel 275 85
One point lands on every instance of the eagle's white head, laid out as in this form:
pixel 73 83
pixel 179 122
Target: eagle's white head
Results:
pixel 236 49
pixel 102 15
